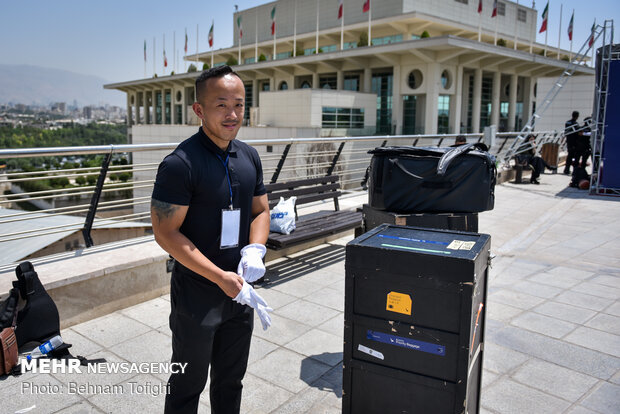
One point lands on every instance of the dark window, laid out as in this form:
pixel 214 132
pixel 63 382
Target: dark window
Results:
pixel 283 86
pixel 501 8
pixel 327 82
pixel 342 117
pixel 461 1
pixel 352 83
pixel 521 15
pixel 415 79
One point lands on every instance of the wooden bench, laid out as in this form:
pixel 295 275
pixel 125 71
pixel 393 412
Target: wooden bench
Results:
pixel 519 168
pixel 314 225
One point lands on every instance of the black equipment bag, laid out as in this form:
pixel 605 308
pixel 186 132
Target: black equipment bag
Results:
pixel 38 320
pixel 432 179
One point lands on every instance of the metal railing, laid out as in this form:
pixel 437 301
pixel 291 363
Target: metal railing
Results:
pixel 108 201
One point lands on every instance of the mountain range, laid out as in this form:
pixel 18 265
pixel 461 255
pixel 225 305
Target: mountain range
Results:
pixel 38 85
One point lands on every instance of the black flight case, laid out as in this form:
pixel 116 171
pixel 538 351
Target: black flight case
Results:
pixel 414 320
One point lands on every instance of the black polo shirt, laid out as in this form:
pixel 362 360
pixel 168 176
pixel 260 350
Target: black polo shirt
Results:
pixel 193 175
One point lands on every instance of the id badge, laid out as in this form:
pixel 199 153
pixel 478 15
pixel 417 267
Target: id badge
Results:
pixel 231 222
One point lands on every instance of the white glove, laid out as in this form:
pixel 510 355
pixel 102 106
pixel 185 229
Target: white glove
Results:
pixel 251 266
pixel 248 296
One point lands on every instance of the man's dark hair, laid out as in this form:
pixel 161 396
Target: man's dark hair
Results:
pixel 575 114
pixel 460 139
pixel 216 72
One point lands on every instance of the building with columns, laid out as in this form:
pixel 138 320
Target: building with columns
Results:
pixel 431 66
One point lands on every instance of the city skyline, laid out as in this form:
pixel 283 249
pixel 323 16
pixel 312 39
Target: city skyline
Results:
pixel 113 47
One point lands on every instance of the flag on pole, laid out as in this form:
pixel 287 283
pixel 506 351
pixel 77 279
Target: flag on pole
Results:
pixel 366 6
pixel 479 6
pixel 340 8
pixel 545 15
pixel 591 41
pixel 494 14
pixel 211 35
pixel 165 59
pixel 273 21
pixel 239 27
pixel 570 27
pixel 185 41
pixel 145 50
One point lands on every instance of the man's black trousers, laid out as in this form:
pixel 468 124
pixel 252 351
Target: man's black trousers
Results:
pixel 208 330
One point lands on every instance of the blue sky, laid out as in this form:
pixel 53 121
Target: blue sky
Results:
pixel 106 38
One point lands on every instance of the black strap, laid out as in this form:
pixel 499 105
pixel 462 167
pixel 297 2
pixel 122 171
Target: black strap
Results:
pixel 85 361
pixel 25 279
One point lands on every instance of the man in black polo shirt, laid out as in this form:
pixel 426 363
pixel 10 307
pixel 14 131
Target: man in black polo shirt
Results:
pixel 570 128
pixel 208 202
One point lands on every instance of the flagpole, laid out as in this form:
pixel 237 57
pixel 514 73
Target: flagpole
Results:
pixel 571 37
pixel 560 31
pixel 275 30
pixel 145 58
pixel 592 47
pixel 546 31
pixel 479 24
pixel 213 41
pixel 154 57
pixel 516 24
pixel 342 28
pixel 197 38
pixel 255 37
pixel 316 50
pixel 174 50
pixel 495 36
pixel 185 52
pixel 295 31
pixel 369 22
pixel 164 46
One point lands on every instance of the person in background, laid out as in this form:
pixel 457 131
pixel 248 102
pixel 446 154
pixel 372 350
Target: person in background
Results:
pixel 460 140
pixel 529 157
pixel 570 131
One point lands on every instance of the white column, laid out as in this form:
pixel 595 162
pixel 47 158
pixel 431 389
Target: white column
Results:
pixel 397 101
pixel 255 93
pixel 432 98
pixel 183 108
pixel 173 100
pixel 315 80
pixel 367 80
pixel 272 84
pixel 129 112
pixel 495 101
pixel 475 113
pixel 512 102
pixel 137 109
pixel 340 80
pixel 528 94
pixel 465 98
pixel 457 103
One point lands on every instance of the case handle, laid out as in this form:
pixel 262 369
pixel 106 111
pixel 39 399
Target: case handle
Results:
pixel 449 156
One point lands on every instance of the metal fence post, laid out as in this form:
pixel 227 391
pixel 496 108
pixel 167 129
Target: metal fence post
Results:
pixel 331 168
pixel 94 201
pixel 276 173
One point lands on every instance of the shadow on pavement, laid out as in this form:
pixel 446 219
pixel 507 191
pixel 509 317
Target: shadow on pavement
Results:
pixel 575 193
pixel 329 381
pixel 298 266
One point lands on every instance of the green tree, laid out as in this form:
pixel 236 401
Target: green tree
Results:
pixel 424 35
pixel 80 180
pixel 232 61
pixel 205 66
pixel 262 58
pixel 192 68
pixel 92 179
pixel 363 40
pixel 501 42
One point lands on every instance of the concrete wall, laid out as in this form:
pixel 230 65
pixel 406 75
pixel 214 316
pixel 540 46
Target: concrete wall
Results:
pixel 90 283
pixel 576 95
pixel 303 107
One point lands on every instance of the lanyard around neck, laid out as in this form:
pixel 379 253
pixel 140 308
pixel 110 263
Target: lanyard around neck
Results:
pixel 225 164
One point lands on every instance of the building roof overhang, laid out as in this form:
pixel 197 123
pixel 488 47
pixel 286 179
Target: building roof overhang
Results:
pixel 447 50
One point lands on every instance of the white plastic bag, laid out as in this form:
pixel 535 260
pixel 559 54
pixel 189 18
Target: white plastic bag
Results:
pixel 283 216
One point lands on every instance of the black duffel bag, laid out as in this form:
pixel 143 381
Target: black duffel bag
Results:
pixel 432 179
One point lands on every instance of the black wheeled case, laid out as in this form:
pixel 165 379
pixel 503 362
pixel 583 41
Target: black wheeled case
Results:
pixel 447 221
pixel 432 179
pixel 414 320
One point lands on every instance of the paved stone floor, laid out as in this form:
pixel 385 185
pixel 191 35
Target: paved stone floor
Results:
pixel 553 332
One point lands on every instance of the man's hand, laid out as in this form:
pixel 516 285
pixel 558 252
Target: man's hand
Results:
pixel 251 266
pixel 231 283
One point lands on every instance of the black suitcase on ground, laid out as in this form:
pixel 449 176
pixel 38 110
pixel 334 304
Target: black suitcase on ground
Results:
pixel 432 179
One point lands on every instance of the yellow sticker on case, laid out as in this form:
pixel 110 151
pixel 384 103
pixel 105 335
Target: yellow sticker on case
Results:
pixel 399 302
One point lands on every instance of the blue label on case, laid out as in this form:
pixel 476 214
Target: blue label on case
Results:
pixel 408 343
